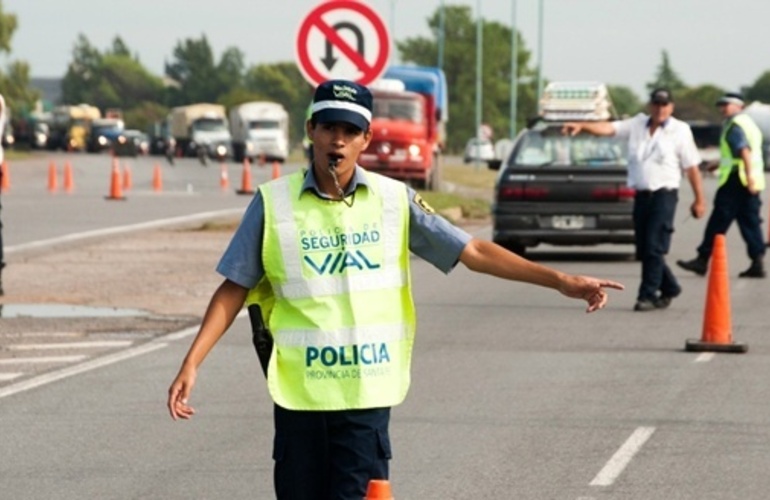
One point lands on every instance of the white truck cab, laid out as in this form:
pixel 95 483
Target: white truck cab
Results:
pixel 260 130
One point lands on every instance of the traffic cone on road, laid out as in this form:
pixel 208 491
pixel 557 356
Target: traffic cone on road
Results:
pixel 116 183
pixel 378 489
pixel 53 184
pixel 5 182
pixel 717 323
pixel 246 179
pixel 157 179
pixel 224 179
pixel 276 169
pixel 69 181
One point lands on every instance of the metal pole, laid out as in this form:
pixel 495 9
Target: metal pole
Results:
pixel 539 54
pixel 479 55
pixel 393 56
pixel 441 35
pixel 514 70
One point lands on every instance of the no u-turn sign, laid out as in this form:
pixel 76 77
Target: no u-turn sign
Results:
pixel 342 39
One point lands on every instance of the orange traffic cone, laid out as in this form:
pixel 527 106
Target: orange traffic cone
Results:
pixel 276 170
pixel 52 182
pixel 378 489
pixel 246 179
pixel 224 179
pixel 128 181
pixel 717 324
pixel 116 185
pixel 5 178
pixel 157 179
pixel 69 181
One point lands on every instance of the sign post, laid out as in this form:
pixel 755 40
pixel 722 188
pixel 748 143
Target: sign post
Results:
pixel 342 39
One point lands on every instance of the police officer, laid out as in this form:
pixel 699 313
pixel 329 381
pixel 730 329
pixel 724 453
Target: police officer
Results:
pixel 741 180
pixel 660 149
pixel 326 252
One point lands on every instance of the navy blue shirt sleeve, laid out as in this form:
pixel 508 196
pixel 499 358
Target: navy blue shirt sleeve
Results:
pixel 737 140
pixel 433 238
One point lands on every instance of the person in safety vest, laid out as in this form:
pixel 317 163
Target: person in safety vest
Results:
pixel 741 180
pixel 325 253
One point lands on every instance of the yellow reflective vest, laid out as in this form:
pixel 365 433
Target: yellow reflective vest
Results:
pixel 342 315
pixel 728 162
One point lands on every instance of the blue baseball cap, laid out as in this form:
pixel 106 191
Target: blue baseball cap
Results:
pixel 342 101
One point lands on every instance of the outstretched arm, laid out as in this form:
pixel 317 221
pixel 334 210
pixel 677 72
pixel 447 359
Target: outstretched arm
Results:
pixel 489 258
pixel 224 306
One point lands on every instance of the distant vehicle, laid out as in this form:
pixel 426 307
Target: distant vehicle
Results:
pixel 260 130
pixel 201 130
pixel 131 143
pixel 103 134
pixel 159 137
pixel 564 190
pixel 760 113
pixel 480 150
pixel 408 125
pixel 70 125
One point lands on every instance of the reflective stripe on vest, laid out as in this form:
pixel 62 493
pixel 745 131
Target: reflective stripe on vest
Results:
pixel 297 287
pixel 728 161
pixel 343 319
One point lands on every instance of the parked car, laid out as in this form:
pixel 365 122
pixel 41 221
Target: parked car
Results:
pixel 563 190
pixel 103 134
pixel 131 142
pixel 479 150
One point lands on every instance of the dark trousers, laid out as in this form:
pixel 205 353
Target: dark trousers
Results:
pixel 733 202
pixel 329 455
pixel 653 225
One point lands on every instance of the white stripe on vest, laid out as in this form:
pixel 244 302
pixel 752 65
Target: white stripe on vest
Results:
pixel 344 336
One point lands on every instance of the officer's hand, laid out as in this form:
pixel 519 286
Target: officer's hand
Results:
pixel 571 129
pixel 589 289
pixel 697 209
pixel 751 185
pixel 179 392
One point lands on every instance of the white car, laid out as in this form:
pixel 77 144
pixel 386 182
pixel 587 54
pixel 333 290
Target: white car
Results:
pixel 479 150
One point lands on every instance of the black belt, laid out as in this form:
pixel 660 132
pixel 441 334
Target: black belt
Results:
pixel 648 192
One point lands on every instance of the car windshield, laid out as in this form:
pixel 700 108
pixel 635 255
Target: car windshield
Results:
pixel 263 124
pixel 546 148
pixel 209 125
pixel 706 135
pixel 394 108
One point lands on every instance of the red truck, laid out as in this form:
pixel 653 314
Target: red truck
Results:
pixel 408 125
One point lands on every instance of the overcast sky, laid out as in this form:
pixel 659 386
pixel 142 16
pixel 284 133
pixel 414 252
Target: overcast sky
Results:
pixel 616 41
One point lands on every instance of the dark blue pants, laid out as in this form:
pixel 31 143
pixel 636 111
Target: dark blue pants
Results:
pixel 733 202
pixel 329 455
pixel 653 225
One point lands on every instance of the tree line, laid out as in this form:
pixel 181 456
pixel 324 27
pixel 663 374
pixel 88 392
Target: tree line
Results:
pixel 115 78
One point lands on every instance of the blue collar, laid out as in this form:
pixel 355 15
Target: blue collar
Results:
pixel 310 184
pixel 662 125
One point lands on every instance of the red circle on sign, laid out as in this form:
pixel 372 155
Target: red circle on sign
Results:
pixel 315 20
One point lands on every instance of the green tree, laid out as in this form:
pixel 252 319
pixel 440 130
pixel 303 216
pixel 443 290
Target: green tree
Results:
pixel 624 100
pixel 459 66
pixel 760 89
pixel 697 103
pixel 14 81
pixel 283 83
pixel 665 76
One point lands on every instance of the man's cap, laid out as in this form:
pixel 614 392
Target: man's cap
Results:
pixel 342 101
pixel 731 98
pixel 661 96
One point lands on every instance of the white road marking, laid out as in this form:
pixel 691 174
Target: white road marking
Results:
pixel 123 229
pixel 69 371
pixel 704 357
pixel 622 457
pixel 38 360
pixel 70 345
pixel 5 377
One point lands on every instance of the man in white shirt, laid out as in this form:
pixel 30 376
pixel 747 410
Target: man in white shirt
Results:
pixel 660 149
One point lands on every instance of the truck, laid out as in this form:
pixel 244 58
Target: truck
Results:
pixel 408 125
pixel 70 125
pixel 200 129
pixel 260 129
